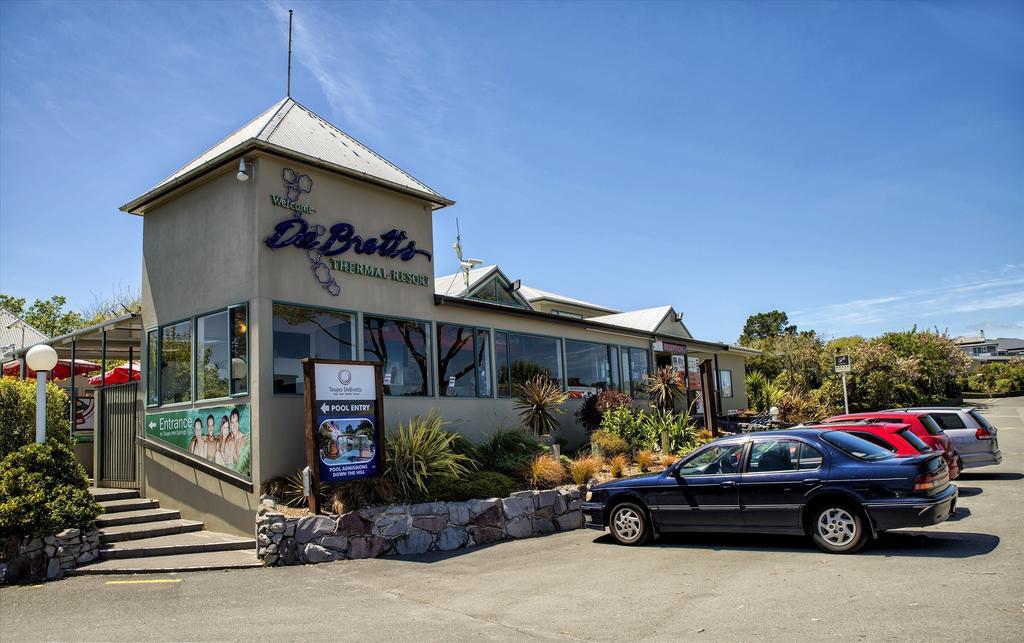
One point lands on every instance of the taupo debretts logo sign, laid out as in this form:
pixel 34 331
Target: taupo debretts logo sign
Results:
pixel 345 376
pixel 319 245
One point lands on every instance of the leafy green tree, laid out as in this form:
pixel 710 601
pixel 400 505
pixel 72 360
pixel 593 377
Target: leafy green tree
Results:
pixel 47 315
pixel 11 304
pixel 774 323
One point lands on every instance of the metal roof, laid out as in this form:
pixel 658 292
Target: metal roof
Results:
pixel 123 340
pixel 647 319
pixel 455 286
pixel 16 333
pixel 536 294
pixel 287 126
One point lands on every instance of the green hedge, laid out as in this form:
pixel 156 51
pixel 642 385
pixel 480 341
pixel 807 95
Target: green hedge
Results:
pixel 43 490
pixel 18 413
pixel 474 485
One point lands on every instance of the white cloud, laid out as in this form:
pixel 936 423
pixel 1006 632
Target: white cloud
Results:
pixel 941 306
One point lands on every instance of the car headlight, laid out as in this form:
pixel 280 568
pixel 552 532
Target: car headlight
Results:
pixel 590 495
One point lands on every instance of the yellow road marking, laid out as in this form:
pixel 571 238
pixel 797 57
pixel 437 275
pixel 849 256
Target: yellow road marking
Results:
pixel 143 582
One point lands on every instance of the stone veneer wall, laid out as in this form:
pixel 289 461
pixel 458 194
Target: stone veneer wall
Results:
pixel 31 560
pixel 413 529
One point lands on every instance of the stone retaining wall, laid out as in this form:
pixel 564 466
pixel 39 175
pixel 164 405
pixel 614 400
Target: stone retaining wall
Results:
pixel 32 560
pixel 413 529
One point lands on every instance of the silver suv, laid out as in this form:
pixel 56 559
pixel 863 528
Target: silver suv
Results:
pixel 973 437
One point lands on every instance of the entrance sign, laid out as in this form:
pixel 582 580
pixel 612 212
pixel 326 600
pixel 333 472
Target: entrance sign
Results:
pixel 843 364
pixel 219 434
pixel 344 421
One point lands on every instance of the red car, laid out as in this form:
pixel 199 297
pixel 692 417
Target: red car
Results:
pixel 894 436
pixel 920 425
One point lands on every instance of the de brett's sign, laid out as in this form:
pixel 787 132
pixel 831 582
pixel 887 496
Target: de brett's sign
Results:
pixel 323 245
pixel 344 413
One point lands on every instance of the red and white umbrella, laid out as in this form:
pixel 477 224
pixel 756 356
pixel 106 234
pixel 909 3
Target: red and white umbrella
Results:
pixel 118 375
pixel 61 371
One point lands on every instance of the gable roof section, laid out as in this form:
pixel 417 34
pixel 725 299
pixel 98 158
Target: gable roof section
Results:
pixel 11 329
pixel 291 129
pixel 647 319
pixel 536 294
pixel 454 285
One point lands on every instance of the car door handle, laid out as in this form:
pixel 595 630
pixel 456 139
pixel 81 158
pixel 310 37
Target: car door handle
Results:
pixel 811 481
pixel 727 484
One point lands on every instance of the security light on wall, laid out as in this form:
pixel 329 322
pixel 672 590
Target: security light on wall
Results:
pixel 242 171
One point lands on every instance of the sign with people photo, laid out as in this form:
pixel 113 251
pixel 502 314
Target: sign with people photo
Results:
pixel 219 434
pixel 344 415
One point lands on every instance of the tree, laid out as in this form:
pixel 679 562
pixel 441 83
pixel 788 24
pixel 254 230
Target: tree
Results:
pixel 11 304
pixel 50 318
pixel 765 326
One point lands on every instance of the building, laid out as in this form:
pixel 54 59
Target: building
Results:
pixel 16 334
pixel 984 350
pixel 290 239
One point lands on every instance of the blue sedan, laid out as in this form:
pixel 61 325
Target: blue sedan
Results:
pixel 837 488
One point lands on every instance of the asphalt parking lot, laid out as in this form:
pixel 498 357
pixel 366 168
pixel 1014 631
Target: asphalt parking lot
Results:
pixel 958 580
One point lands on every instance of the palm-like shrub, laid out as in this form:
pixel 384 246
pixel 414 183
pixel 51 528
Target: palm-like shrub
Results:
pixel 664 386
pixel 544 472
pixel 583 468
pixel 421 450
pixel 540 400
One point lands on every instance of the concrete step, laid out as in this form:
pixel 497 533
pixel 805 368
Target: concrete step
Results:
pixel 101 494
pixel 121 533
pixel 193 562
pixel 136 517
pixel 128 504
pixel 176 544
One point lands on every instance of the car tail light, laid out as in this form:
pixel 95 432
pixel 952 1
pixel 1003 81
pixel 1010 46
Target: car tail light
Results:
pixel 984 434
pixel 925 481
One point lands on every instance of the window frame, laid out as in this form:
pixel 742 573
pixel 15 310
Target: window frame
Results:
pixel 356 335
pixel 432 388
pixel 508 362
pixel 613 368
pixel 745 470
pixel 476 367
pixel 193 379
pixel 744 450
pixel 721 385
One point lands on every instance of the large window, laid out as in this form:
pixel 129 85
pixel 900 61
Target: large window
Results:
pixel 213 361
pixel 176 363
pixel 301 332
pixel 590 367
pixel 520 357
pixel 401 347
pixel 635 363
pixel 153 367
pixel 725 383
pixel 463 361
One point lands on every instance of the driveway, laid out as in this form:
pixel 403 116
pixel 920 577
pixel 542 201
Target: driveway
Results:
pixel 962 579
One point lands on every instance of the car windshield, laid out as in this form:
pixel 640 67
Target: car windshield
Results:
pixel 858 448
pixel 980 418
pixel 914 441
pixel 931 426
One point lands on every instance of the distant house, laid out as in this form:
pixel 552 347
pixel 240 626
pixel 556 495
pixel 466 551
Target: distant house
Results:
pixel 984 349
pixel 16 333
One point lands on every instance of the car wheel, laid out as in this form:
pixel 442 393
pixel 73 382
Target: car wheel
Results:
pixel 628 524
pixel 838 529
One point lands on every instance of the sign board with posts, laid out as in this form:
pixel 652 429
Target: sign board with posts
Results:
pixel 344 422
pixel 843 364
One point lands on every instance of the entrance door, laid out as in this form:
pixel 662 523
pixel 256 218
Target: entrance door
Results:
pixel 118 414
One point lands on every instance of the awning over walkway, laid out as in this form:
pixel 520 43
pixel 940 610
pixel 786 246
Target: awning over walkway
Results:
pixel 117 338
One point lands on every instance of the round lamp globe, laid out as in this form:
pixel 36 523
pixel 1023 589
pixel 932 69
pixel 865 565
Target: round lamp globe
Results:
pixel 41 357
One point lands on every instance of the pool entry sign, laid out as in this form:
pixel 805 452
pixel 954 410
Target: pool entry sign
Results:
pixel 344 421
pixel 219 434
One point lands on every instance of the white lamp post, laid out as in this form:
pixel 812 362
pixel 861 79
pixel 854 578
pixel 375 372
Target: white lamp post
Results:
pixel 41 358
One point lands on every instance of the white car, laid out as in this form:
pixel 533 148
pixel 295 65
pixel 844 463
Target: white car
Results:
pixel 973 437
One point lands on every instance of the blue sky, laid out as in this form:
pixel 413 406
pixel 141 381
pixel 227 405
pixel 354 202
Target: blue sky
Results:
pixel 858 165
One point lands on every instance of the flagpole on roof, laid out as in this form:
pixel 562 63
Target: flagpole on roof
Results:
pixel 289 88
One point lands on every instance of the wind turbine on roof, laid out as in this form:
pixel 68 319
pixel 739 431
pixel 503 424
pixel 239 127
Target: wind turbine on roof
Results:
pixel 465 263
